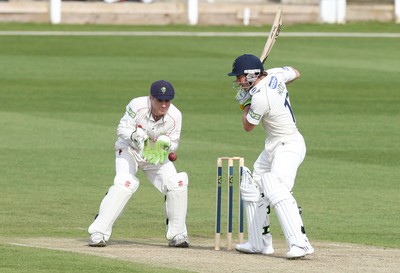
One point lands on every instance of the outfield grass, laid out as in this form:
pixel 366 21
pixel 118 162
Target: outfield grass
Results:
pixel 62 97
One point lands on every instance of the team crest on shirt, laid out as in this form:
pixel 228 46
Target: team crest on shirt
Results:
pixel 254 115
pixel 131 113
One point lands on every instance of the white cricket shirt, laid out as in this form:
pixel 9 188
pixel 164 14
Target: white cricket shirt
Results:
pixel 138 112
pixel 270 103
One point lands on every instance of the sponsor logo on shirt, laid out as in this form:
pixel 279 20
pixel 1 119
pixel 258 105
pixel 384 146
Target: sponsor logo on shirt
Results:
pixel 131 113
pixel 273 82
pixel 254 115
pixel 254 90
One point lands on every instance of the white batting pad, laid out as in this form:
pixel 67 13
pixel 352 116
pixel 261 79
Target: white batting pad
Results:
pixel 254 214
pixel 113 204
pixel 275 189
pixel 280 198
pixel 248 191
pixel 176 205
pixel 288 215
pixel 265 216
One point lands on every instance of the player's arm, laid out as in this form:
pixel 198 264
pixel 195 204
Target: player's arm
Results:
pixel 126 127
pixel 175 133
pixel 130 131
pixel 247 126
pixel 287 73
pixel 295 76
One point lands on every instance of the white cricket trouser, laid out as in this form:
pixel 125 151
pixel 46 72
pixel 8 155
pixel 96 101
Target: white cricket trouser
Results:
pixel 282 158
pixel 125 184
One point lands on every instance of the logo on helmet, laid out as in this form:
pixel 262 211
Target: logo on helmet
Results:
pixel 163 90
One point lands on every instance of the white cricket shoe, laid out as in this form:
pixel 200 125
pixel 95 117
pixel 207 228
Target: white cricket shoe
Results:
pixel 179 241
pixel 268 247
pixel 296 252
pixel 97 240
pixel 249 249
pixel 309 248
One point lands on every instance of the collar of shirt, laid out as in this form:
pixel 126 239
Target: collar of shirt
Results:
pixel 151 117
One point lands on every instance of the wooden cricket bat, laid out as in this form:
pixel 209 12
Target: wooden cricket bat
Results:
pixel 273 35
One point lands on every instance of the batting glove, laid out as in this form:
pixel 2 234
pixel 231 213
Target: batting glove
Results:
pixel 244 98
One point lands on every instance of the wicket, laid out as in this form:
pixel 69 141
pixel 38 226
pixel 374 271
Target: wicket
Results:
pixel 230 161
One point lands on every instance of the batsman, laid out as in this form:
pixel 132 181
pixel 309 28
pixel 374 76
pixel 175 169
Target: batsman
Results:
pixel 149 129
pixel 264 99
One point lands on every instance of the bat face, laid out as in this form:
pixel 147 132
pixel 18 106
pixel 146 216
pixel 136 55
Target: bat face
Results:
pixel 273 35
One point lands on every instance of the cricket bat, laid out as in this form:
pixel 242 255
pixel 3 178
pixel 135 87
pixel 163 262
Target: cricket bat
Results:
pixel 273 35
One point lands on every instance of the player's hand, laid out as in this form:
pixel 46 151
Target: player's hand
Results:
pixel 244 98
pixel 139 137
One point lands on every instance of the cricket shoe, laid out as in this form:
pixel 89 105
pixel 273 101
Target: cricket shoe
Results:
pixel 268 247
pixel 249 249
pixel 179 241
pixel 309 248
pixel 97 240
pixel 296 252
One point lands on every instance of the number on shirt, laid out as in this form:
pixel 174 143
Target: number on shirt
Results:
pixel 287 104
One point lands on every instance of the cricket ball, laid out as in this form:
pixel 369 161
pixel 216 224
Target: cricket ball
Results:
pixel 172 156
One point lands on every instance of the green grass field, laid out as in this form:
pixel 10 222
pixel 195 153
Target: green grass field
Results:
pixel 61 98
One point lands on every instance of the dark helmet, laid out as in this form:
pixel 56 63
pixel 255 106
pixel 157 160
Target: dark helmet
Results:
pixel 246 64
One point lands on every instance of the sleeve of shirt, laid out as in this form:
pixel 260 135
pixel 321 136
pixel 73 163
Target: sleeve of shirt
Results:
pixel 175 132
pixel 258 108
pixel 286 73
pixel 127 124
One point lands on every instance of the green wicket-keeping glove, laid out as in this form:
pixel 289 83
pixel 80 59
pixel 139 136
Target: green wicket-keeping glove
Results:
pixel 146 149
pixel 159 152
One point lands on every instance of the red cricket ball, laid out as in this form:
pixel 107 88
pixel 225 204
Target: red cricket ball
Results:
pixel 172 156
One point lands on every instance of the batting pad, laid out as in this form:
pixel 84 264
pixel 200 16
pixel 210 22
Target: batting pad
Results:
pixel 285 206
pixel 255 220
pixel 176 205
pixel 275 189
pixel 289 218
pixel 113 204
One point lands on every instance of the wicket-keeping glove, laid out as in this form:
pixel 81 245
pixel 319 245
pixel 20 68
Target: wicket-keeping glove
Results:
pixel 159 152
pixel 146 149
pixel 244 98
pixel 138 138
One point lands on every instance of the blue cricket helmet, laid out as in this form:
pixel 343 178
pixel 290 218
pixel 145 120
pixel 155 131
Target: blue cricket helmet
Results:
pixel 246 64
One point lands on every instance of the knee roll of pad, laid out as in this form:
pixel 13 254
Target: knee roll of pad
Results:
pixel 275 189
pixel 178 182
pixel 126 182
